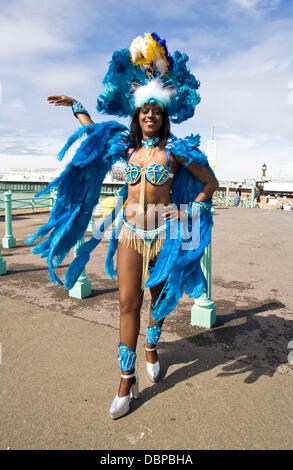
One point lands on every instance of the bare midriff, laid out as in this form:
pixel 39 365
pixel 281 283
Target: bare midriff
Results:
pixel 156 196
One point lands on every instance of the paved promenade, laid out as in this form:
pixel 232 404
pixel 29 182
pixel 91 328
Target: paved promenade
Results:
pixel 229 387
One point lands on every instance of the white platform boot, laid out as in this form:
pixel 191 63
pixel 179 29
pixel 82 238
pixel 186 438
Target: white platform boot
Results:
pixel 152 370
pixel 121 405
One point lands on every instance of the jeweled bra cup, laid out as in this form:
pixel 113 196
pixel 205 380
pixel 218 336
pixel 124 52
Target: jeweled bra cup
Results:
pixel 157 174
pixel 132 173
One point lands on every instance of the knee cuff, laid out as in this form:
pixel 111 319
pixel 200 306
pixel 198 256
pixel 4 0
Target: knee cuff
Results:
pixel 153 334
pixel 126 357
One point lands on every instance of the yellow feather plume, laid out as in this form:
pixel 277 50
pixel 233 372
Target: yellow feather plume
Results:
pixel 147 53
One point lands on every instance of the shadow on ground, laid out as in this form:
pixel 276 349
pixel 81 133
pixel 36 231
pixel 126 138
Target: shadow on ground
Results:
pixel 242 342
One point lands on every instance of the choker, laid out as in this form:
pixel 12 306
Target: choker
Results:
pixel 150 142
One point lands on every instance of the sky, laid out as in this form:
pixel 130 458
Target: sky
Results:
pixel 240 51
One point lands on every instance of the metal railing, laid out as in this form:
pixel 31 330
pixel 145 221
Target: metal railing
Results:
pixel 27 203
pixel 223 200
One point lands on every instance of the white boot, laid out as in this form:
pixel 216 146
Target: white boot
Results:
pixel 121 405
pixel 152 370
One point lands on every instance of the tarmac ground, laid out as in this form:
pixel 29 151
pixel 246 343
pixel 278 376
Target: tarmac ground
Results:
pixel 228 387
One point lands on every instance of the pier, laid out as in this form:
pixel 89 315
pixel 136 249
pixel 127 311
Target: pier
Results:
pixel 59 353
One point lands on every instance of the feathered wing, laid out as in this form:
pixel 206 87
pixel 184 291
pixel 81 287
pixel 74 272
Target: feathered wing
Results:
pixel 178 267
pixel 79 187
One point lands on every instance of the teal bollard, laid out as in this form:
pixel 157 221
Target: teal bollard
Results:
pixel 203 312
pixel 3 269
pixel 53 195
pixel 82 288
pixel 8 241
pixel 91 226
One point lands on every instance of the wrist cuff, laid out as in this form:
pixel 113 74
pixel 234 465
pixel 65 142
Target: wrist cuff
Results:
pixel 204 207
pixel 78 108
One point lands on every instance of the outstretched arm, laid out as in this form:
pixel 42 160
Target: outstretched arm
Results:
pixel 62 100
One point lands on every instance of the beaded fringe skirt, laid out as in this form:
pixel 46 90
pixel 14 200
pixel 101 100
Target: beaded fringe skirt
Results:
pixel 146 242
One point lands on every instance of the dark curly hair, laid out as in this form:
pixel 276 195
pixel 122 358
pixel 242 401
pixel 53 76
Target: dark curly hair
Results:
pixel 135 136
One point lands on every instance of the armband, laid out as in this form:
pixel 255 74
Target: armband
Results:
pixel 204 207
pixel 78 108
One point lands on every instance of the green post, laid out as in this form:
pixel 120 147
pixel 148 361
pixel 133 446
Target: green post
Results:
pixel 82 288
pixel 53 195
pixel 2 265
pixel 8 240
pixel 91 225
pixel 203 312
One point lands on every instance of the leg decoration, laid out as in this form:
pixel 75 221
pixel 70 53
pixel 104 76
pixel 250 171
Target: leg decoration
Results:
pixel 152 337
pixel 121 405
pixel 126 357
pixel 153 334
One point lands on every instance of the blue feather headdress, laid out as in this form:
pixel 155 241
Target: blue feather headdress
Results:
pixel 147 73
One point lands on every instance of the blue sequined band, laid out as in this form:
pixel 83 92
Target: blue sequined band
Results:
pixel 204 207
pixel 78 108
pixel 146 235
pixel 126 357
pixel 150 142
pixel 153 334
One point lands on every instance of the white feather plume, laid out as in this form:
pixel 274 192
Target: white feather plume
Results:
pixel 136 48
pixel 153 90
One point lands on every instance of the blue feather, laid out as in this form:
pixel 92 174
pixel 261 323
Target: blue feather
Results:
pixel 179 268
pixel 83 253
pixel 79 187
pixel 117 95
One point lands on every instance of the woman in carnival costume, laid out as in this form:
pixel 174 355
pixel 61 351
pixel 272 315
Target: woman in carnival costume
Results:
pixel 162 219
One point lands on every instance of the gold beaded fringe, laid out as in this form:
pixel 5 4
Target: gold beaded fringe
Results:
pixel 148 249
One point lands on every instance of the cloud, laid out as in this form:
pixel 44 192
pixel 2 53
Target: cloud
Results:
pixel 26 36
pixel 246 95
pixel 240 50
pixel 253 5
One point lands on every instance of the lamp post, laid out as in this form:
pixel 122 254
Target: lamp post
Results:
pixel 3 269
pixel 203 311
pixel 8 241
pixel 263 179
pixel 82 288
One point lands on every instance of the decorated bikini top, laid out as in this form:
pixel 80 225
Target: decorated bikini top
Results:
pixel 155 173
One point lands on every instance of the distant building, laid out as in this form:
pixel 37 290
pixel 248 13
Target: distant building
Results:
pixel 33 181
pixel 282 188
